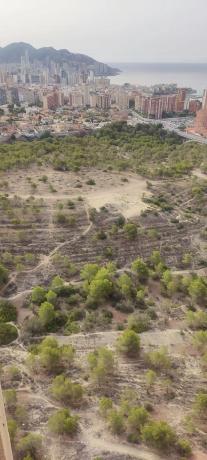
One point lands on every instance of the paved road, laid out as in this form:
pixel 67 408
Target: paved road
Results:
pixel 167 125
pixel 5 443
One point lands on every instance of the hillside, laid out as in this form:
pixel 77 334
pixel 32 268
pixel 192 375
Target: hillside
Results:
pixel 103 295
pixel 12 54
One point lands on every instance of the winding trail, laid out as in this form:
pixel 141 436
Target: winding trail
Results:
pixel 123 449
pixel 46 259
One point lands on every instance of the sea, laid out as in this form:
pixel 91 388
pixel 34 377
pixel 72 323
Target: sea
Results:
pixel 185 75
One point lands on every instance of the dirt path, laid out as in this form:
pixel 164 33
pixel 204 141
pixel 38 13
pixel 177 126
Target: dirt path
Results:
pixel 199 174
pixel 123 449
pixel 99 440
pixel 46 259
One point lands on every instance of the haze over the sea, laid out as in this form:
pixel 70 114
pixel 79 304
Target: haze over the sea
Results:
pixel 189 75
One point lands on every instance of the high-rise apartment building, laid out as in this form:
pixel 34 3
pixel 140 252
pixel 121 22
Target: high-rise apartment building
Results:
pixel 52 100
pixel 200 124
pixel 76 99
pixel 155 106
pixel 122 99
pixel 180 100
pixel 3 96
pixel 204 101
pixel 103 101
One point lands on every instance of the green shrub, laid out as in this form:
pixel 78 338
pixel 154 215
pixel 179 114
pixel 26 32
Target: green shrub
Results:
pixel 129 343
pixel 4 275
pixel 200 404
pixel 102 365
pixel 62 422
pixel 137 418
pixel 105 405
pixel 30 445
pixel 184 447
pixel 46 313
pixel 7 312
pixel 139 267
pixel 200 340
pixel 63 389
pixel 8 333
pixel 51 357
pixel 12 427
pixel 115 421
pixel 159 360
pixel 197 319
pixel 198 290
pixel 38 295
pixel 130 230
pixel 138 323
pixel 159 435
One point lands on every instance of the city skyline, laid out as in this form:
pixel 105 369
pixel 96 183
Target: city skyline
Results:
pixel 141 31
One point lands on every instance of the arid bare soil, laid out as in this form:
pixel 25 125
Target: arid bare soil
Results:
pixel 29 224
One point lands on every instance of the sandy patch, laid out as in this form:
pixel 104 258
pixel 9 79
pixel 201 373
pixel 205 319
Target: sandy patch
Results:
pixel 127 197
pixel 124 191
pixel 199 174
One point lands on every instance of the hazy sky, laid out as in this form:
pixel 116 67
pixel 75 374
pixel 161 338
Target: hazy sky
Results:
pixel 111 30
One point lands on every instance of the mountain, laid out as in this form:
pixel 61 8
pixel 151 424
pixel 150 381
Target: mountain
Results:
pixel 11 54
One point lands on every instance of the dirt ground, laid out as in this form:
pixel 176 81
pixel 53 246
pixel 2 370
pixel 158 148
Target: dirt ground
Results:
pixel 124 193
pixel 123 190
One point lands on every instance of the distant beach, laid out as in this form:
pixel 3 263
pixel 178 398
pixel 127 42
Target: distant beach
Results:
pixel 185 75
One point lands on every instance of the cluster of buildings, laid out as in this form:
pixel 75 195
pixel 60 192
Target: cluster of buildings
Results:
pixel 160 105
pixel 61 99
pixel 36 72
pixel 200 123
pixel 93 93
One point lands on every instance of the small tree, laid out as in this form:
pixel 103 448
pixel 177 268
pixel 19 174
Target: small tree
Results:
pixel 159 435
pixel 155 258
pixel 102 365
pixel 116 421
pixel 125 285
pixel 12 427
pixel 187 260
pixel 197 319
pixel 46 313
pixel 57 284
pixel 140 267
pixel 38 295
pixel 138 322
pixel 150 378
pixel 130 231
pixel 7 311
pixel 129 343
pixel 200 404
pixel 105 405
pixel 200 340
pixel 62 422
pixel 198 290
pixel 159 360
pixel 30 445
pixel 4 275
pixel 8 333
pixel 51 297
pixel 89 271
pixel 63 389
pixel 51 357
pixel 184 448
pixel 100 289
pixel 137 418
